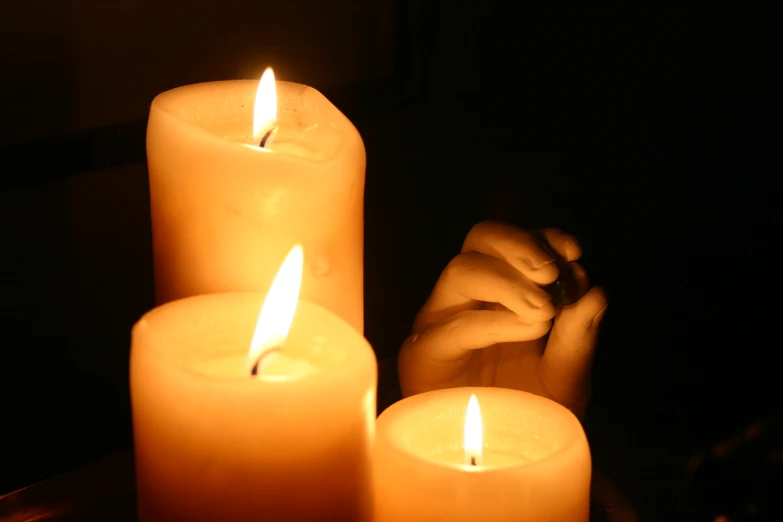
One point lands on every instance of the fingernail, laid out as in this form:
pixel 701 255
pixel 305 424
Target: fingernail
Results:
pixel 539 265
pixel 572 250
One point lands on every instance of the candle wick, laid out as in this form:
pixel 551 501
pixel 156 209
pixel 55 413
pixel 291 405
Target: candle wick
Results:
pixel 472 461
pixel 268 135
pixel 254 370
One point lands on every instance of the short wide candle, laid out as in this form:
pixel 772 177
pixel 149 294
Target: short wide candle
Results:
pixel 535 464
pixel 225 210
pixel 213 443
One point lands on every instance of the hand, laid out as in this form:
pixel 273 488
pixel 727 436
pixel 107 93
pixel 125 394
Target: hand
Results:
pixel 487 320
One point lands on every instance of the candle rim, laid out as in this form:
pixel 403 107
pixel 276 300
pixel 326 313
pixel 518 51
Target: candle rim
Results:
pixel 570 445
pixel 342 124
pixel 355 359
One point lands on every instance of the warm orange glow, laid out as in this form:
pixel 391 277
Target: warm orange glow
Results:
pixel 278 309
pixel 265 108
pixel 474 439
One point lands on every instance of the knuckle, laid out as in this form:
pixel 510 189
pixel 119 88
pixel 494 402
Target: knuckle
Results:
pixel 489 229
pixel 457 266
pixel 484 226
pixel 478 231
pixel 453 268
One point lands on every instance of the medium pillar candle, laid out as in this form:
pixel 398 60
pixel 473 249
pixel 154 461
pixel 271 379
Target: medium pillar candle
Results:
pixel 224 209
pixel 214 444
pixel 533 464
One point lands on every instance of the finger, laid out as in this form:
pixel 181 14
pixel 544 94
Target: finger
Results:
pixel 580 275
pixel 471 279
pixel 472 330
pixel 568 357
pixel 564 244
pixel 517 247
pixel 581 281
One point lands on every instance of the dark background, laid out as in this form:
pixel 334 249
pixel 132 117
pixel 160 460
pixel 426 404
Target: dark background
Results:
pixel 583 117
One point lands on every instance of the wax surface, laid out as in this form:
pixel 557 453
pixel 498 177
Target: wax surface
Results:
pixel 214 444
pixel 536 461
pixel 274 366
pixel 225 211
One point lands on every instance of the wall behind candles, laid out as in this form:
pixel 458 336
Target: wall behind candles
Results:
pixel 86 63
pixel 75 269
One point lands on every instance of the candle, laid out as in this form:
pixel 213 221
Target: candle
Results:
pixel 223 208
pixel 501 455
pixel 280 431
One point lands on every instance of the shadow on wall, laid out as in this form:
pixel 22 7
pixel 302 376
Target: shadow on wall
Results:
pixel 36 96
pixel 76 274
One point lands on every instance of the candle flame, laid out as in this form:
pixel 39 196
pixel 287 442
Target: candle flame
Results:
pixel 277 312
pixel 473 433
pixel 265 109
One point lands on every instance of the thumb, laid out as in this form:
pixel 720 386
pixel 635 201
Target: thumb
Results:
pixel 567 361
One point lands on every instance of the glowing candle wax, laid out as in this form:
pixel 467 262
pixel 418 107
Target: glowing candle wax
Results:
pixel 502 455
pixel 224 209
pixel 282 431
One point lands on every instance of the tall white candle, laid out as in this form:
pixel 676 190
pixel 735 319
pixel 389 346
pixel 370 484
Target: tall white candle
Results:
pixel 225 210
